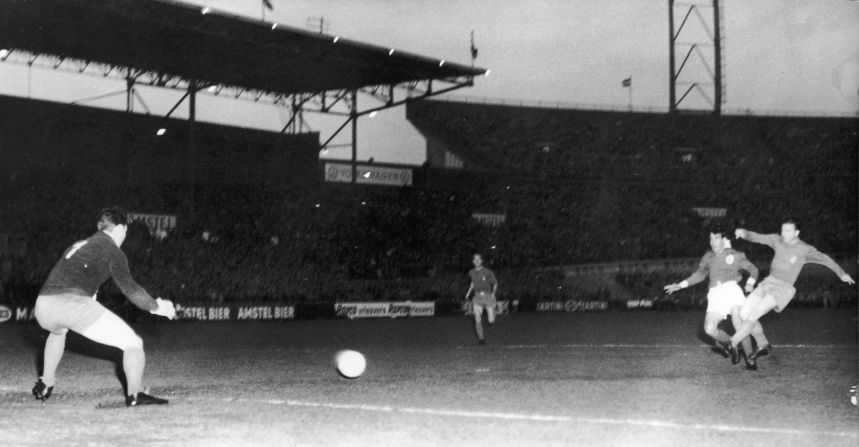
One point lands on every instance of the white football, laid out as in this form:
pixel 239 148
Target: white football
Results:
pixel 350 364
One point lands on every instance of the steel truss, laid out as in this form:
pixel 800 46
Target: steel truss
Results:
pixel 714 70
pixel 340 102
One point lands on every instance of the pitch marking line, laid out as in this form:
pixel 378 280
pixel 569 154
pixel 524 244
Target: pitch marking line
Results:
pixel 643 346
pixel 551 418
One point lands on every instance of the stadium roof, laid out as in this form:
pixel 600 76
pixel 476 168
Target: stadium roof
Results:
pixel 161 42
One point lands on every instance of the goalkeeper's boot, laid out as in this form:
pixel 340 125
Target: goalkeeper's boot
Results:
pixel 143 399
pixel 42 391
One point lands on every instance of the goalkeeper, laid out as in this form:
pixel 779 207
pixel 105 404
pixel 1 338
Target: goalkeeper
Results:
pixel 67 301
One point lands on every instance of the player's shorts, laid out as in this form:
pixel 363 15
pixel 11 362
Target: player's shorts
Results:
pixel 484 299
pixel 782 291
pixel 722 298
pixel 59 313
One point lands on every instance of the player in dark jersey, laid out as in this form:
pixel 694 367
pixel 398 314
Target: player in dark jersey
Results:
pixel 776 290
pixel 484 285
pixel 67 301
pixel 723 265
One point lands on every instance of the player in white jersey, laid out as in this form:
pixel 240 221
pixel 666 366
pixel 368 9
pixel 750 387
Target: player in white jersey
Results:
pixel 722 264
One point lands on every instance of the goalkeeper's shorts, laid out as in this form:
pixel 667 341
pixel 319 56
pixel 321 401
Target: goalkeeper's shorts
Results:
pixel 82 314
pixel 59 313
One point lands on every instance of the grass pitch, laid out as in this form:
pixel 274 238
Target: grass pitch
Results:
pixel 599 379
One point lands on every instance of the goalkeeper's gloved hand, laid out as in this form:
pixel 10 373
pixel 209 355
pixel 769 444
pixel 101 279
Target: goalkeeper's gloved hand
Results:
pixel 165 309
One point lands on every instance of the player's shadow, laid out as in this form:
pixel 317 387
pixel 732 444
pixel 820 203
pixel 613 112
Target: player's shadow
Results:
pixel 79 345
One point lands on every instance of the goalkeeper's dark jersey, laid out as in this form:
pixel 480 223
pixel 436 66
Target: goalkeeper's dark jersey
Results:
pixel 87 264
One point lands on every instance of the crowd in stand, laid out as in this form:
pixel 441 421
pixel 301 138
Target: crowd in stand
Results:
pixel 573 188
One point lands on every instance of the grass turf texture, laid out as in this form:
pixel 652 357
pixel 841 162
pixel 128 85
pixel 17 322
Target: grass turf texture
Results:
pixel 605 379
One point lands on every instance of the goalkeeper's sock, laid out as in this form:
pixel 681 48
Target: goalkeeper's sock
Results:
pixel 55 345
pixel 133 362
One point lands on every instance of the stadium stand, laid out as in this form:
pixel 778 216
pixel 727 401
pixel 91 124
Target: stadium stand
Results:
pixel 574 187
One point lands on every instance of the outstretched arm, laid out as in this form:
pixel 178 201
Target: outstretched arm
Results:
pixel 121 275
pixel 820 258
pixel 694 278
pixel 751 236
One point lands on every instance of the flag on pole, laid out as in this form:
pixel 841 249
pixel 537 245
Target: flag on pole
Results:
pixel 268 5
pixel 473 48
pixel 627 82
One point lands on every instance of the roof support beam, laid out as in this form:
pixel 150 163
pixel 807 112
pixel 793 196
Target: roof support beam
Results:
pixel 175 106
pixel 192 150
pixel 353 117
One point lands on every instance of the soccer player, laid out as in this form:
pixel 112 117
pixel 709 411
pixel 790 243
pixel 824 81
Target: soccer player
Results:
pixel 723 264
pixel 776 290
pixel 67 301
pixel 484 285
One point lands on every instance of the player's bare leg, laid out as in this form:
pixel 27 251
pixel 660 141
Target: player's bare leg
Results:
pixel 711 328
pixel 763 345
pixel 55 345
pixel 746 344
pixel 478 323
pixel 490 314
pixel 110 330
pixel 54 348
pixel 758 335
pixel 133 364
pixel 757 332
pixel 752 310
pixel 761 340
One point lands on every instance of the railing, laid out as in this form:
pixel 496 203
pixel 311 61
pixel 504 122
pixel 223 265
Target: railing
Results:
pixel 636 109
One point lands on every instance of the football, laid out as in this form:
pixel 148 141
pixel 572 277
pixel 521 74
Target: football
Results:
pixel 350 364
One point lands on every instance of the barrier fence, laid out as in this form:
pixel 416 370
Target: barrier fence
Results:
pixel 406 309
